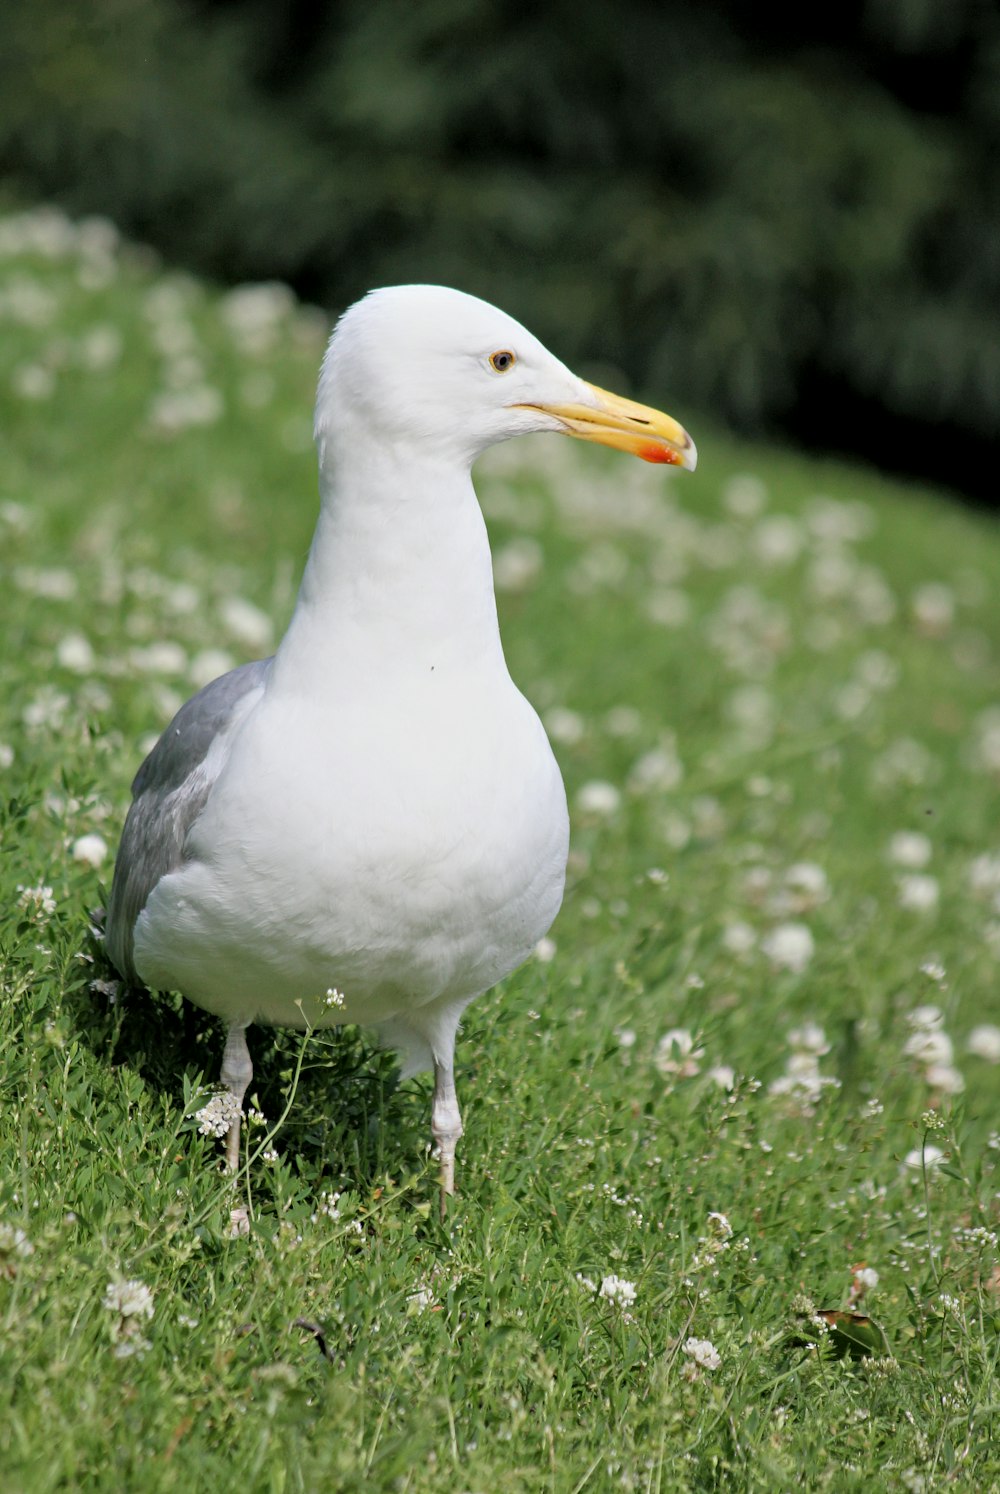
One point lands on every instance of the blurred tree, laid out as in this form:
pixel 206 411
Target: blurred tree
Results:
pixel 789 217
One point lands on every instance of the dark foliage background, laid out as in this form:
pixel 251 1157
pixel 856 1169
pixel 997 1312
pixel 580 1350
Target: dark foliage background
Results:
pixel 790 219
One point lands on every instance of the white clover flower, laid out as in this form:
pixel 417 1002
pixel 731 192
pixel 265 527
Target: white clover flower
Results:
pixel 722 1074
pixel 808 880
pixel 420 1300
pixel 599 798
pixel 933 606
pixel 36 900
pixel 208 664
pixel 809 1038
pixel 926 1018
pixel 221 1112
pixel 564 725
pixel 246 623
pixel 945 1077
pixel 239 1224
pixel 910 848
pixel 703 1352
pixel 91 849
pixel 517 564
pixel 790 946
pixel 129 1299
pixel 658 770
pixel 984 874
pixel 75 653
pixel 329 1206
pixel 984 1042
pixel 676 1054
pixel 163 657
pixel 926 1157
pixel 615 1289
pixel 929 1045
pixel 918 892
pixel 738 938
pixel 14 1245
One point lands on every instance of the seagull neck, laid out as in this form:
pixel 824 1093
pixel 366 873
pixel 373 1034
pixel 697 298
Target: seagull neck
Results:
pixel 399 573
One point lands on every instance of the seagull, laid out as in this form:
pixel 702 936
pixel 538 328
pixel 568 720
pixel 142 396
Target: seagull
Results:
pixel 370 826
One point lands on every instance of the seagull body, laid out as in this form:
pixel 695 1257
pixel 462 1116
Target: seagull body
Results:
pixel 371 827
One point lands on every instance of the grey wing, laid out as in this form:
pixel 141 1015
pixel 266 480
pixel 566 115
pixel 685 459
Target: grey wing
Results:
pixel 168 794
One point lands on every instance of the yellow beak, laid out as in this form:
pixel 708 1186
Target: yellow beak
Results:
pixel 622 423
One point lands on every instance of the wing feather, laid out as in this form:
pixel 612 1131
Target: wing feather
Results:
pixel 169 792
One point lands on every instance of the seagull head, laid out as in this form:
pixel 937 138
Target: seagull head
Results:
pixel 443 372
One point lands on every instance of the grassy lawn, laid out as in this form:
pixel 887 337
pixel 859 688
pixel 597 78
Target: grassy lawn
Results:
pixel 751 1078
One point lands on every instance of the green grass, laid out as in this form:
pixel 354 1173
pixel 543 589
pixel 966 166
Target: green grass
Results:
pixel 809 698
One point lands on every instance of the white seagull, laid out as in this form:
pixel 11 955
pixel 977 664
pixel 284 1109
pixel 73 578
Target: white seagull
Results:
pixel 370 826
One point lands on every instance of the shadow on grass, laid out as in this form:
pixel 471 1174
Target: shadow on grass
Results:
pixel 349 1118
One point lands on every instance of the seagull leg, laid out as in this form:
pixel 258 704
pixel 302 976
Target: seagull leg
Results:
pixel 237 1071
pixel 446 1126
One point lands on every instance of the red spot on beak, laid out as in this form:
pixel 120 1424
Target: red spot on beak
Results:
pixel 651 452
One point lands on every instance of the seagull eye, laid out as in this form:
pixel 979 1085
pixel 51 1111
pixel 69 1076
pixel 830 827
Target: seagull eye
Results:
pixel 502 361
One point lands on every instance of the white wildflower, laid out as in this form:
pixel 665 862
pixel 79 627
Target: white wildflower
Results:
pixel 517 564
pixel 208 665
pixel 246 623
pixel 656 771
pixel 926 1157
pixel 984 1042
pixel 808 1038
pixel 564 725
pixel 615 1289
pixel 221 1112
pixel 676 1054
pixel 789 946
pixel 129 1299
pixel 90 849
pixel 598 798
pixel 984 874
pixel 420 1300
pixel 929 1045
pixel 545 950
pixel 36 900
pixel 334 998
pixel 722 1074
pixel 910 848
pixel 738 938
pixel 75 653
pixel 865 1280
pixel 918 892
pixel 14 1246
pixel 703 1352
pixel 719 1226
pixel 239 1224
pixel 945 1077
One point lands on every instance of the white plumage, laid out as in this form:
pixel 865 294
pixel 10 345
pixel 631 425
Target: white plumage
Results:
pixel 377 809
